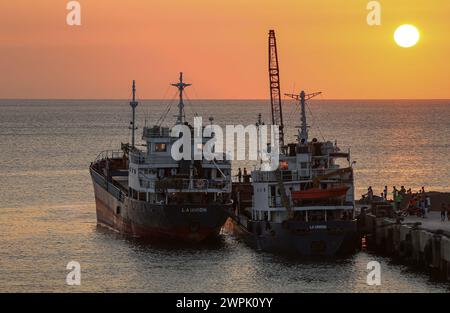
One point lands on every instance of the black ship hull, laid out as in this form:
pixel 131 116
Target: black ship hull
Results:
pixel 185 222
pixel 297 238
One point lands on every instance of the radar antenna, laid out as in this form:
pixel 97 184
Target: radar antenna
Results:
pixel 303 135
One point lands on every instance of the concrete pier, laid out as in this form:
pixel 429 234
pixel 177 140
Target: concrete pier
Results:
pixel 423 242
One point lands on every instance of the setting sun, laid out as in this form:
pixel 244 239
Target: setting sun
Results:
pixel 406 36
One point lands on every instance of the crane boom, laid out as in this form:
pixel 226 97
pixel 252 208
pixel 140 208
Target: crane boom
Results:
pixel 275 94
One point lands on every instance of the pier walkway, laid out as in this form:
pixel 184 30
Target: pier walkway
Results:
pixel 426 245
pixel 431 223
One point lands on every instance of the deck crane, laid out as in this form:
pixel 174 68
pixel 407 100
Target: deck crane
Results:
pixel 275 94
pixel 277 114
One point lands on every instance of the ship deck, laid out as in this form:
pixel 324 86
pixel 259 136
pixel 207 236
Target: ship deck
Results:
pixel 121 181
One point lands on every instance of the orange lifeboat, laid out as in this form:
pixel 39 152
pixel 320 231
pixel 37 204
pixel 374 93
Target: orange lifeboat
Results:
pixel 317 193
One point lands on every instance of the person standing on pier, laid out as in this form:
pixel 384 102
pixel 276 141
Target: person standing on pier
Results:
pixel 394 192
pixel 394 197
pixel 427 204
pixel 422 206
pixel 443 212
pixel 370 193
pixel 385 193
pixel 403 191
pixel 398 201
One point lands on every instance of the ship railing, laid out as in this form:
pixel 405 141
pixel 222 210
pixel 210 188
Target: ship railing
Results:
pixel 162 132
pixel 192 184
pixel 137 157
pixel 146 181
pixel 182 184
pixel 288 175
pixel 285 175
pixel 156 132
pixel 147 184
pixel 323 171
pixel 219 184
pixel 319 171
pixel 337 178
pixel 116 192
pixel 108 186
pixel 275 202
pixel 109 154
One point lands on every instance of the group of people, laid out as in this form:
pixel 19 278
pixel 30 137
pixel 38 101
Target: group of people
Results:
pixel 414 202
pixel 417 203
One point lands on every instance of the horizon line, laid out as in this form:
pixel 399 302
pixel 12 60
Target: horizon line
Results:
pixel 235 99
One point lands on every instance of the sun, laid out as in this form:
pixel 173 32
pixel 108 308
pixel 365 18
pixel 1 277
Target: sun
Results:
pixel 406 36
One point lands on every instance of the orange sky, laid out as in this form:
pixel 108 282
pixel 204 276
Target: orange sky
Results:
pixel 222 48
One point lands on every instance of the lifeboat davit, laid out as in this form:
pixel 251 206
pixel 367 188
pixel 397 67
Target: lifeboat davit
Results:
pixel 317 193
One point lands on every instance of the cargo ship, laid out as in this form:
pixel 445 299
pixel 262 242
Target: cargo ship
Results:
pixel 306 206
pixel 147 193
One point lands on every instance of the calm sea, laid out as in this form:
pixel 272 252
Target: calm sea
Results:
pixel 47 210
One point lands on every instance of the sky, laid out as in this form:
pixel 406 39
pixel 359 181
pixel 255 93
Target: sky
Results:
pixel 221 46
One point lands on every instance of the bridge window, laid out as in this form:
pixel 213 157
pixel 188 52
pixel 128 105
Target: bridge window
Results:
pixel 160 147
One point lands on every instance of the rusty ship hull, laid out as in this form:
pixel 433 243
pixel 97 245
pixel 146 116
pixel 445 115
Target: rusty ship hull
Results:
pixel 179 222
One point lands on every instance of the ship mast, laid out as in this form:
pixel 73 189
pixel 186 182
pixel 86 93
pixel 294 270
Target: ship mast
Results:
pixel 303 134
pixel 258 124
pixel 180 85
pixel 133 105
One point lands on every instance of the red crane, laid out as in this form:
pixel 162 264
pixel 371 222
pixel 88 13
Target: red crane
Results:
pixel 275 94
